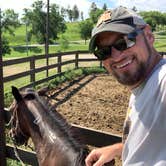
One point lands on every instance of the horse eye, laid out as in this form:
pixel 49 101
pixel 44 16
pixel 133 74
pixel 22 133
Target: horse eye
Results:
pixel 29 96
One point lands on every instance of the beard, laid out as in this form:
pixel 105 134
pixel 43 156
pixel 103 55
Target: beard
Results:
pixel 131 77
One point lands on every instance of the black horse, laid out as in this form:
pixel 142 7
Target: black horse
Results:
pixel 55 142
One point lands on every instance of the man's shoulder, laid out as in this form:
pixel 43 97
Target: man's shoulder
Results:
pixel 160 69
pixel 158 78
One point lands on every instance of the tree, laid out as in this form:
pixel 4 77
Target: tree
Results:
pixel 37 19
pixel 104 7
pixel 5 46
pixel 153 18
pixel 70 14
pixel 82 15
pixel 75 13
pixel 95 13
pixel 134 9
pixel 57 22
pixel 63 12
pixel 64 43
pixel 86 29
pixel 93 7
pixel 9 22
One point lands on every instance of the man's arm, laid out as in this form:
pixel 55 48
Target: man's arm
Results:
pixel 100 156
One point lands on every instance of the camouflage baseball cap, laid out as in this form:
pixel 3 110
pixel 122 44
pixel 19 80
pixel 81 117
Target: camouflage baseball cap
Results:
pixel 121 20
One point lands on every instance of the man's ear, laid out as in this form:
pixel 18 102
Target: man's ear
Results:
pixel 149 35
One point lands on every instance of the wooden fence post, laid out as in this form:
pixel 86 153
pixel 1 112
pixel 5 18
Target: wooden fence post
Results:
pixel 59 63
pixel 101 64
pixel 2 113
pixel 76 60
pixel 32 68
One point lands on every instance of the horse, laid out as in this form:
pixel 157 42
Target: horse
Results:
pixel 55 141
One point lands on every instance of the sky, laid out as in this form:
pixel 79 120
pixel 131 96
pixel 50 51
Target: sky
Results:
pixel 84 5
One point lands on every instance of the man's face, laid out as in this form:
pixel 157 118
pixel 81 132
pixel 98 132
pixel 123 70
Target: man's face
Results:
pixel 128 66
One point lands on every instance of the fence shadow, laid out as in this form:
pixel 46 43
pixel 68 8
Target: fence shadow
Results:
pixel 72 92
pixel 22 49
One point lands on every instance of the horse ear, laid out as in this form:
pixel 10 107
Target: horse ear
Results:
pixel 16 94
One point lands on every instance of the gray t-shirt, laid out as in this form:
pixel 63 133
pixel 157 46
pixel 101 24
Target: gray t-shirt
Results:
pixel 145 124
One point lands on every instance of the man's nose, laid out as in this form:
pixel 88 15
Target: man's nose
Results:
pixel 116 54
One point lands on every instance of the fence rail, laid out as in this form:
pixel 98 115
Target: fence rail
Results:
pixel 90 135
pixel 30 157
pixel 33 70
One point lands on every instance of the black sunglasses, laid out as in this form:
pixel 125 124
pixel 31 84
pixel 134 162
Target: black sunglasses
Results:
pixel 122 44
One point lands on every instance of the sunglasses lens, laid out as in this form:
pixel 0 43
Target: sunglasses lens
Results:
pixel 120 44
pixel 103 53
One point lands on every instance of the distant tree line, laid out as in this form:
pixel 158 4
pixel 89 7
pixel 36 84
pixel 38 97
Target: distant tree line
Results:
pixel 36 19
pixel 9 22
pixel 154 19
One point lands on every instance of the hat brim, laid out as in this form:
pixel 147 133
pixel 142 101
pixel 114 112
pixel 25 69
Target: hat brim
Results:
pixel 120 28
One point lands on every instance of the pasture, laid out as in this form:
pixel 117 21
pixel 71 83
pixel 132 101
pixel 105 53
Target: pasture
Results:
pixel 19 49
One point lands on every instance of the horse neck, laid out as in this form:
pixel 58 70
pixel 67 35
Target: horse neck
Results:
pixel 51 149
pixel 54 136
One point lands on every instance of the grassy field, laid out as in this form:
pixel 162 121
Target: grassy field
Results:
pixel 19 49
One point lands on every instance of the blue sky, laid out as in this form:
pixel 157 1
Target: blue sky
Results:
pixel 84 5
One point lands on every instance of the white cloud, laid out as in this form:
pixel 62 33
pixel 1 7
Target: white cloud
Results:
pixel 84 5
pixel 145 5
pixel 19 5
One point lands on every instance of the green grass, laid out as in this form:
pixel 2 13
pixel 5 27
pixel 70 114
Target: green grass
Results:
pixel 72 35
pixel 38 50
pixel 160 45
pixel 20 36
pixel 72 32
pixel 73 46
pixel 69 74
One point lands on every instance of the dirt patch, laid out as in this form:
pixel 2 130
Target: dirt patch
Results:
pixel 95 101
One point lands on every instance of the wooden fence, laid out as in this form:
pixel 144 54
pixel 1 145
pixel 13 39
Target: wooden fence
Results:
pixel 34 70
pixel 30 157
pixel 90 135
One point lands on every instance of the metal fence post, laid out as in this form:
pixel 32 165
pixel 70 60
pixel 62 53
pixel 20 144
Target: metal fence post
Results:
pixel 2 113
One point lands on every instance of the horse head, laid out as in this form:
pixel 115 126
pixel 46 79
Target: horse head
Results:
pixel 20 129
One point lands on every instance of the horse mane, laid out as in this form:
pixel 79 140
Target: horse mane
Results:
pixel 70 135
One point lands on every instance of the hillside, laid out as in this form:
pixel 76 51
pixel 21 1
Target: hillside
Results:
pixel 72 34
pixel 19 49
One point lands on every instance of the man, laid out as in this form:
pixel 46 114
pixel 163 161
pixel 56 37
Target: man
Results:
pixel 124 43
